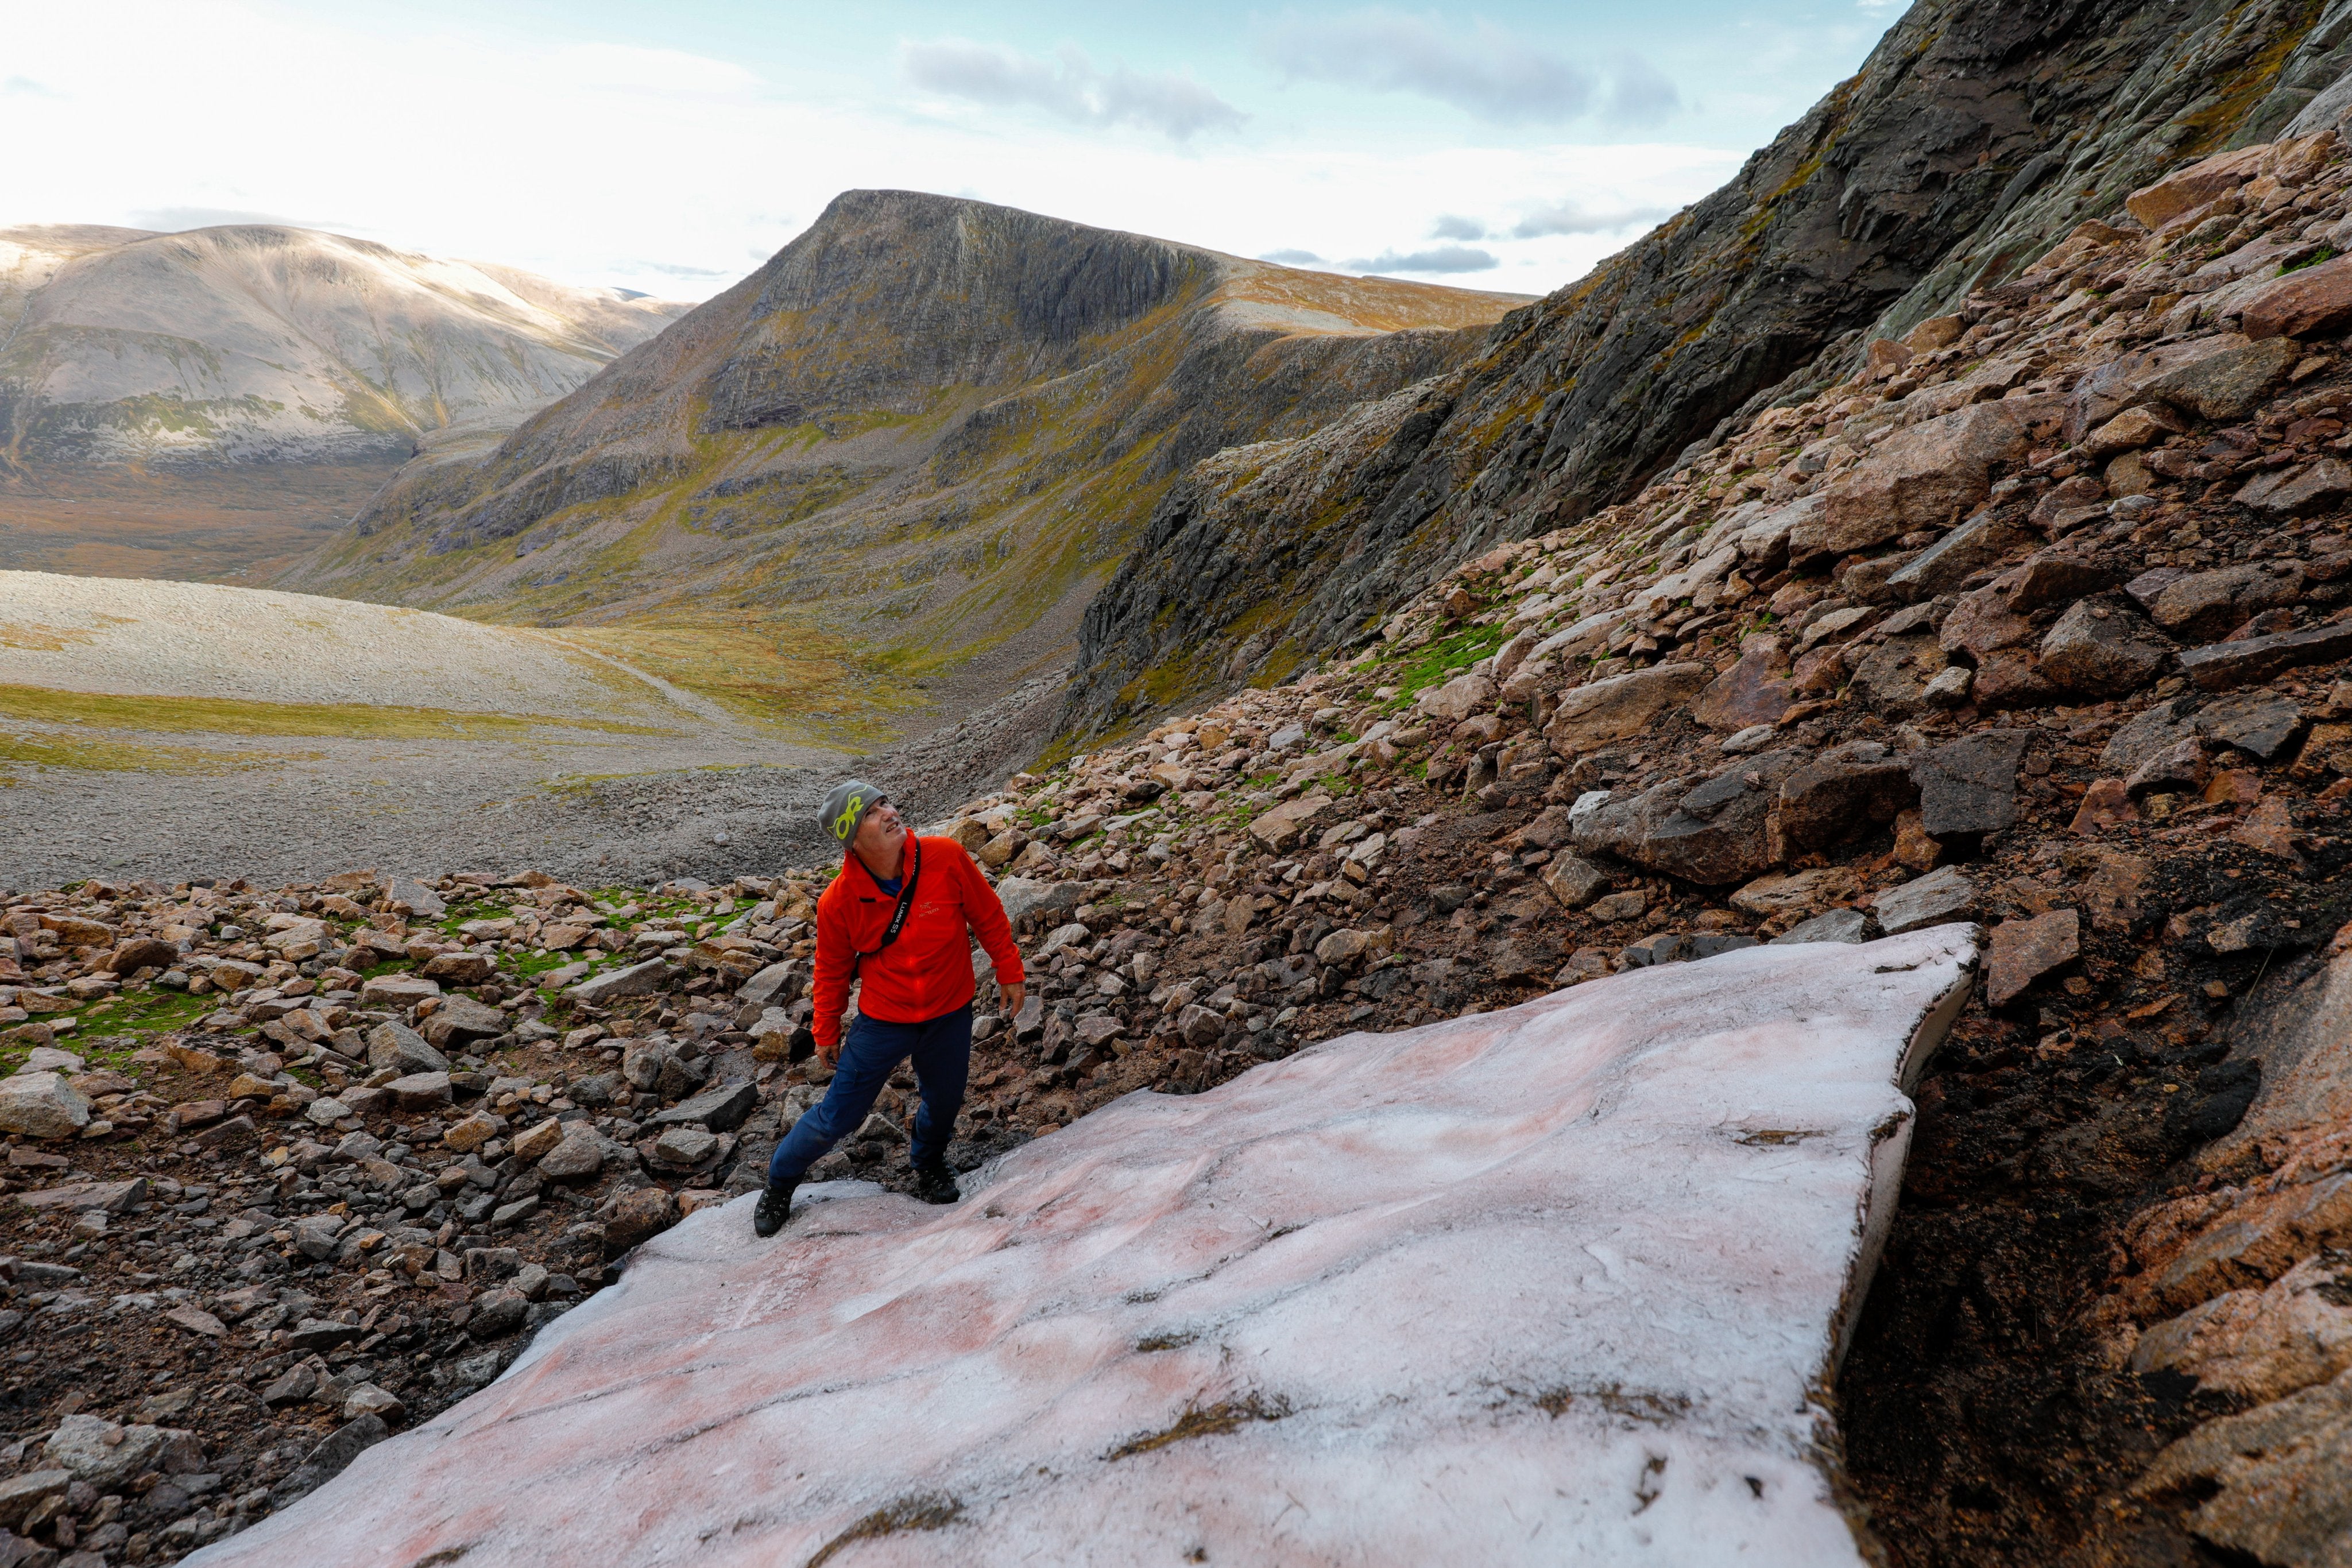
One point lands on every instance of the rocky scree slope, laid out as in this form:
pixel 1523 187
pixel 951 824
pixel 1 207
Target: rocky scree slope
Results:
pixel 1975 135
pixel 2039 619
pixel 252 342
pixel 931 422
pixel 2054 638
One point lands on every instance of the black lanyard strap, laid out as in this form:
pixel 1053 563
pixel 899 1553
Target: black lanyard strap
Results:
pixel 905 903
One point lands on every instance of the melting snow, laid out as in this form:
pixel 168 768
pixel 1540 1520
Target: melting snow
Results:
pixel 1560 1284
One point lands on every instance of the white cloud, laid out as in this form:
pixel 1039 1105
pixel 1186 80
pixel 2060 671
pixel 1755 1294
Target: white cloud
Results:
pixel 1293 258
pixel 1444 260
pixel 1493 73
pixel 597 185
pixel 1574 218
pixel 1450 226
pixel 1640 95
pixel 1070 87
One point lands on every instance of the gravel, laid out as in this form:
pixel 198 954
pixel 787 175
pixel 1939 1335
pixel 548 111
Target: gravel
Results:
pixel 588 807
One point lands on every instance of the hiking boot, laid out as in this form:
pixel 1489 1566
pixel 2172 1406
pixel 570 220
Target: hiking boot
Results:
pixel 934 1184
pixel 775 1207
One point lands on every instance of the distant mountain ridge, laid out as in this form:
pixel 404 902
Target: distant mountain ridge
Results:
pixel 254 343
pixel 933 425
pixel 1976 134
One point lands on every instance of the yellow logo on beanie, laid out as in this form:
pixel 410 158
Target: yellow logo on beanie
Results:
pixel 847 823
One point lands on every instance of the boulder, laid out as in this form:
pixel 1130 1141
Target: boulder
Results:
pixel 2131 430
pixel 540 1138
pixel 683 1148
pixel 397 1047
pixel 396 990
pixel 1979 542
pixel 109 1456
pixel 331 1458
pixel 1719 832
pixel 2227 385
pixel 780 984
pixel 2263 725
pixel 420 1091
pixel 2222 665
pixel 413 899
pixel 1938 898
pixel 142 952
pixel 460 1020
pixel 721 1108
pixel 1844 793
pixel 2207 605
pixel 459 968
pixel 1576 883
pixel 1982 624
pixel 580 1153
pixel 2298 491
pixel 2101 647
pixel 2185 189
pixel 2180 767
pixel 1754 691
pixel 19 1494
pixel 2309 301
pixel 87 1197
pixel 2025 950
pixel 640 1215
pixel 2056 577
pixel 1788 893
pixel 1280 825
pixel 1893 678
pixel 636 981
pixel 1596 713
pixel 1924 476
pixel 2114 387
pixel 41 1105
pixel 1742 1255
pixel 1458 698
pixel 1968 787
pixel 1847 926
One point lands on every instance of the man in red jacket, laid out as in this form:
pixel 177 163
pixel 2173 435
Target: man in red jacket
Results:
pixel 895 920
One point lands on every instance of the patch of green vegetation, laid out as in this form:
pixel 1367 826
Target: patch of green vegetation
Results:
pixel 1437 661
pixel 231 715
pixel 115 757
pixel 2325 253
pixel 108 1029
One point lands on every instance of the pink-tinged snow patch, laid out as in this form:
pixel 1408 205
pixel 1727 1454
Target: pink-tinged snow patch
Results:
pixel 1563 1283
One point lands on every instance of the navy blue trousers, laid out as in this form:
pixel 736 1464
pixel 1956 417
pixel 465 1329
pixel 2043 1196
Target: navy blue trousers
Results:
pixel 870 1052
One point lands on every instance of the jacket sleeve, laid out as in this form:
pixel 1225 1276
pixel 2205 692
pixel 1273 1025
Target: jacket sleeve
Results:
pixel 829 987
pixel 984 913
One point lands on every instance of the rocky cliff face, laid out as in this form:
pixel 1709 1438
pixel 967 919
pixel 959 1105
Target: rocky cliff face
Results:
pixel 1975 134
pixel 257 343
pixel 941 421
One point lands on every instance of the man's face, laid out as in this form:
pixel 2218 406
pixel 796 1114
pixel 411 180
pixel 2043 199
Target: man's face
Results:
pixel 879 833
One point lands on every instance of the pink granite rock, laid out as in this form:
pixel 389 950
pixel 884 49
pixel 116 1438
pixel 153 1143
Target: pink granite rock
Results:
pixel 1557 1283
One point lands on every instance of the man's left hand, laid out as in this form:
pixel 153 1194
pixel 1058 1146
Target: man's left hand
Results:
pixel 1013 996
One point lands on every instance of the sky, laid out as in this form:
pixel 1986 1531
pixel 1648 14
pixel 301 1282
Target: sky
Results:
pixel 672 148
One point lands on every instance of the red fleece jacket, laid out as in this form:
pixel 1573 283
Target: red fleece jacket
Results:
pixel 928 970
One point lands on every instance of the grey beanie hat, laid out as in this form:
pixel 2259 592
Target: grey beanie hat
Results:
pixel 845 805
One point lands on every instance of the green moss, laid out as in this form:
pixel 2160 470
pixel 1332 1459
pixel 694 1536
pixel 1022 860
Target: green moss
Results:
pixel 230 716
pixel 76 754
